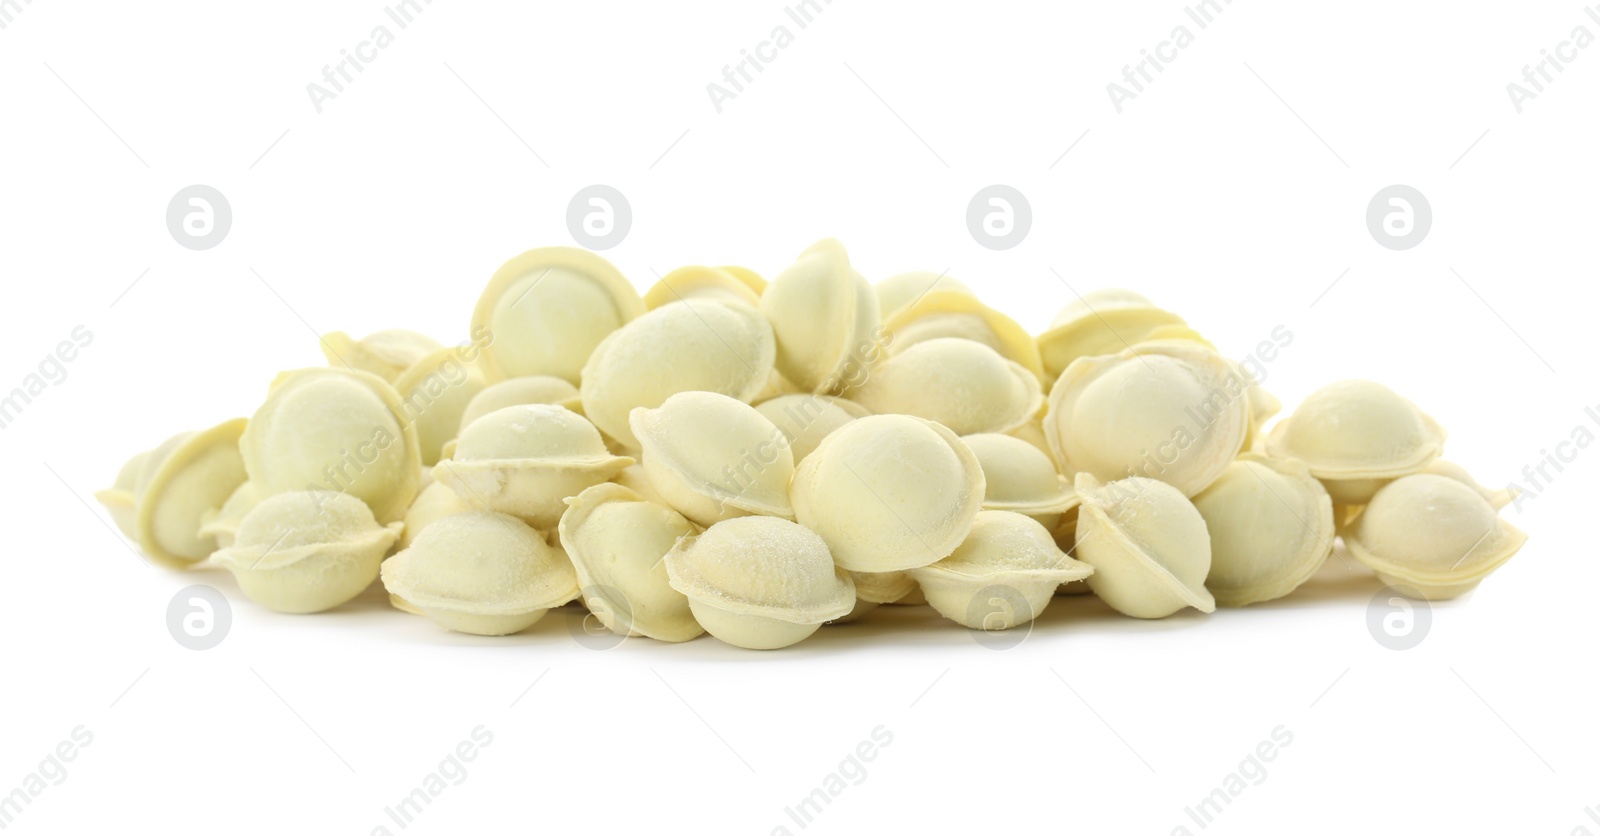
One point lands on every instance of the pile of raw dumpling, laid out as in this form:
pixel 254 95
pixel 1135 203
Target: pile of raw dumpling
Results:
pixel 755 459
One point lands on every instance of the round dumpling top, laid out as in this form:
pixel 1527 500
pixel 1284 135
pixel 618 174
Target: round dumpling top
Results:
pixel 1019 476
pixel 1148 545
pixel 962 384
pixel 548 309
pixel 824 316
pixel 889 492
pixel 1433 533
pixel 544 433
pixel 720 451
pixel 482 563
pixel 700 282
pixel 335 429
pixel 806 419
pixel 1271 527
pixel 903 289
pixel 1007 547
pixel 434 393
pixel 518 391
pixel 1169 410
pixel 955 313
pixel 1103 321
pixel 692 345
pixel 385 353
pixel 762 566
pixel 616 540
pixel 1357 429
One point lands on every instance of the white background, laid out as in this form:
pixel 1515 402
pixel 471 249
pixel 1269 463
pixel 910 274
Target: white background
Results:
pixel 460 146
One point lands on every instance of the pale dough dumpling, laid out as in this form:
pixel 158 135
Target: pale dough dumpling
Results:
pixel 1169 410
pixel 383 353
pixel 959 314
pixel 437 501
pixel 874 589
pixel 616 540
pixel 164 496
pixel 699 282
pixel 714 458
pixel 481 572
pixel 902 289
pixel 518 391
pixel 1104 321
pixel 434 393
pixel 759 582
pixel 1148 545
pixel 693 345
pixel 1001 576
pixel 1497 498
pixel 121 499
pixel 889 492
pixel 1019 477
pixel 1356 435
pixel 223 523
pixel 1271 527
pixel 547 309
pixel 962 384
pixel 806 419
pixel 825 317
pixel 307 551
pixel 335 429
pixel 1433 534
pixel 526 460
